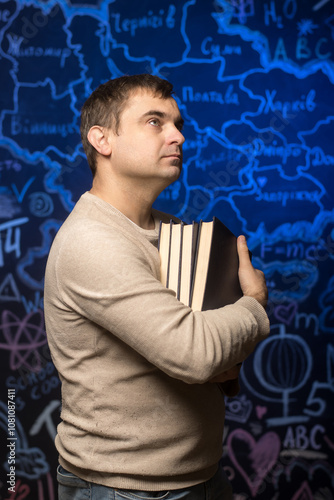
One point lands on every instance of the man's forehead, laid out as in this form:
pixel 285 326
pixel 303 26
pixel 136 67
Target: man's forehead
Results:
pixel 142 100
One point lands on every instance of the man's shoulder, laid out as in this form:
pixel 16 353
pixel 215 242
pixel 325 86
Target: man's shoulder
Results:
pixel 87 225
pixel 98 226
pixel 93 213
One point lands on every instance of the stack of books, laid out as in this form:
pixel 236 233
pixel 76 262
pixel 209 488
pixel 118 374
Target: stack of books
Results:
pixel 199 261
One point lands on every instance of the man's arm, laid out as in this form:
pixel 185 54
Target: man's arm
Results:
pixel 109 280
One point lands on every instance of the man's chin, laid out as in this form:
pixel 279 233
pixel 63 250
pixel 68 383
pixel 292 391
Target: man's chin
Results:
pixel 176 173
pixel 169 177
pixel 173 169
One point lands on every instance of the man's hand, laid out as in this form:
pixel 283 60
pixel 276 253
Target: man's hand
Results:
pixel 230 374
pixel 252 280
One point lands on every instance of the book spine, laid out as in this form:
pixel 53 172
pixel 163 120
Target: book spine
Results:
pixel 169 250
pixel 178 293
pixel 195 243
pixel 159 235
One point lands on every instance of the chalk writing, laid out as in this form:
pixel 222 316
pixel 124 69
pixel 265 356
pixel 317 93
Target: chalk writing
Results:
pixel 208 48
pixel 302 50
pixel 32 379
pixel 16 50
pixel 230 97
pixel 33 305
pixel 320 158
pixel 319 251
pixel 151 20
pixel 10 165
pixel 289 107
pixel 259 149
pixel 204 163
pixel 283 197
pixel 27 127
pixel 299 437
pixel 45 418
pixel 12 238
pixel 271 16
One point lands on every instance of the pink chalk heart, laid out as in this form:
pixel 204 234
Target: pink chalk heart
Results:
pixel 253 459
pixel 286 313
pixel 260 411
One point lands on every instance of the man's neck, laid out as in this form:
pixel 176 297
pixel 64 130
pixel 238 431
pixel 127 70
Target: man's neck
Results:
pixel 135 207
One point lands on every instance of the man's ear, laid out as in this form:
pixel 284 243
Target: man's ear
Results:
pixel 99 139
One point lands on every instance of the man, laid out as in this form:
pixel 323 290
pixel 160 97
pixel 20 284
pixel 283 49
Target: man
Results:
pixel 143 376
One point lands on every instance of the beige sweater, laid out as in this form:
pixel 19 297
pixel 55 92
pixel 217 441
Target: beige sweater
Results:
pixel 137 409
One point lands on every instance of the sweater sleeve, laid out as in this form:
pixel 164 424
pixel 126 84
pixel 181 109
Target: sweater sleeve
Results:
pixel 109 281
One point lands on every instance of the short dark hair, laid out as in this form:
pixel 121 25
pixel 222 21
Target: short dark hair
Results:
pixel 106 103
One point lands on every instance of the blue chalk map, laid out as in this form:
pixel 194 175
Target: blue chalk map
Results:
pixel 254 81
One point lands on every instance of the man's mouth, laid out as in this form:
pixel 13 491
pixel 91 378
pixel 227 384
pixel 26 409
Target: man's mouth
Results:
pixel 174 155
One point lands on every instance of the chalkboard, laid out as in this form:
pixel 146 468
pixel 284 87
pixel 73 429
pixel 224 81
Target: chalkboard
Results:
pixel 255 83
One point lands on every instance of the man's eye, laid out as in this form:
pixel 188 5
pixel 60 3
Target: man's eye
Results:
pixel 154 122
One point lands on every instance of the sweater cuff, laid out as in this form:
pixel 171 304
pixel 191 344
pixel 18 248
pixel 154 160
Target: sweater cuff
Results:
pixel 258 312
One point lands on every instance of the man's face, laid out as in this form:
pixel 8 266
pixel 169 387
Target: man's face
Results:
pixel 149 141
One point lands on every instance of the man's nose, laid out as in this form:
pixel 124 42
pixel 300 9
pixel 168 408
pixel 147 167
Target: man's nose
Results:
pixel 176 137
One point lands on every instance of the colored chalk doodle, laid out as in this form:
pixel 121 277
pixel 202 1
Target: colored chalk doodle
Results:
pixel 22 338
pixel 261 456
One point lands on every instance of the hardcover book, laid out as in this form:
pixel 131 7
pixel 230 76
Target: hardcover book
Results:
pixel 199 261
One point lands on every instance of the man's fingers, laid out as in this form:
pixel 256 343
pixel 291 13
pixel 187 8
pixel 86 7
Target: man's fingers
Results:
pixel 243 251
pixel 252 281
